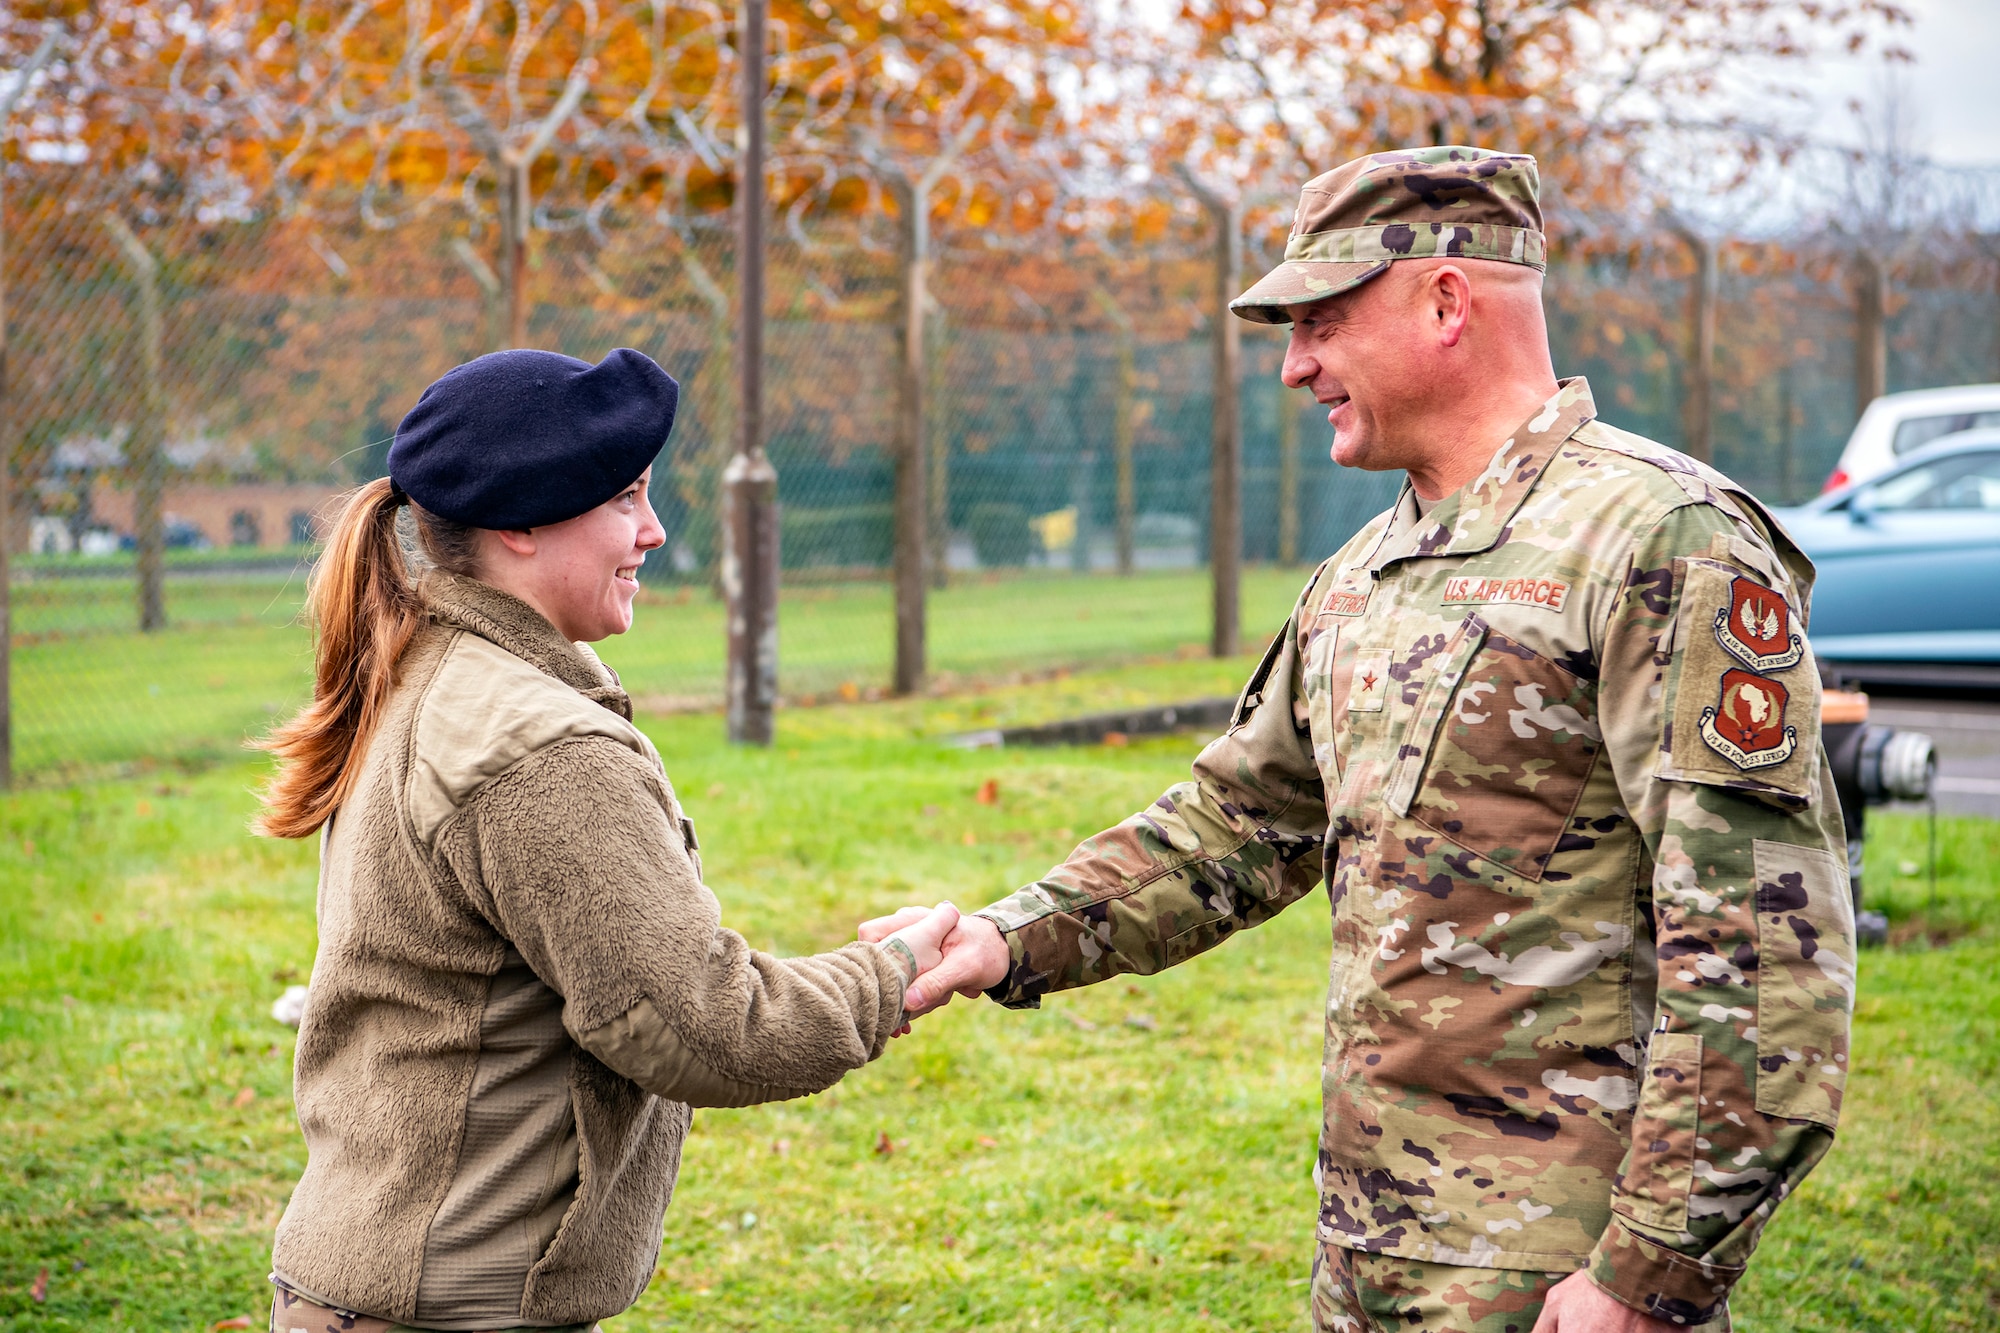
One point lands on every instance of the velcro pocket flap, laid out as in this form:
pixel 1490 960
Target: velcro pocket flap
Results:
pixel 1805 980
pixel 1407 769
pixel 1660 1170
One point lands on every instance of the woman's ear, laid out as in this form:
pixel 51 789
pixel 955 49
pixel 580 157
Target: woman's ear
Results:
pixel 518 541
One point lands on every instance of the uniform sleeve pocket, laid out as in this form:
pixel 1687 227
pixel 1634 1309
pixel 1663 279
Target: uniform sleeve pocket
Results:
pixel 1805 980
pixel 1660 1171
pixel 1745 691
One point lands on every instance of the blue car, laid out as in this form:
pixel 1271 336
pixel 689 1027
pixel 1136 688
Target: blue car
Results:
pixel 1909 568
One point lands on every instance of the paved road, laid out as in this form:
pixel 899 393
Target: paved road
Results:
pixel 1967 736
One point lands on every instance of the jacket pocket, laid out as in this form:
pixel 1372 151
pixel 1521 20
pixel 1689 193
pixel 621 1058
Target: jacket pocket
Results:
pixel 1805 980
pixel 1512 748
pixel 1659 1172
pixel 1408 764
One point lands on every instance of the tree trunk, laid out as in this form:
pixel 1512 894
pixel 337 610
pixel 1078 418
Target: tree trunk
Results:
pixel 912 500
pixel 1871 330
pixel 6 530
pixel 514 211
pixel 937 473
pixel 1288 478
pixel 751 555
pixel 1225 503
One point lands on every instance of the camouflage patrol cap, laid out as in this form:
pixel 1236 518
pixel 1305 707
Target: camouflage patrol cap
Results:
pixel 1467 203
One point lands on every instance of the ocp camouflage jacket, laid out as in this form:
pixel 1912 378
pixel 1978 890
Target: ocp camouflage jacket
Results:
pixel 1554 748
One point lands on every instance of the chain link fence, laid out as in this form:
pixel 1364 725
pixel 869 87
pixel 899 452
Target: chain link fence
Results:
pixel 247 372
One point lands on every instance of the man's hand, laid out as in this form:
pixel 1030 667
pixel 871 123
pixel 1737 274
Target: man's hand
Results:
pixel 975 958
pixel 1578 1305
pixel 923 931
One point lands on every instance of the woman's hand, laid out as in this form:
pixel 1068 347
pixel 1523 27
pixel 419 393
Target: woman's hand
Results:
pixel 923 934
pixel 882 927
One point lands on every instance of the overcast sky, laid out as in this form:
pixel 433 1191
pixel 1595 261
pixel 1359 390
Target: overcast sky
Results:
pixel 1954 87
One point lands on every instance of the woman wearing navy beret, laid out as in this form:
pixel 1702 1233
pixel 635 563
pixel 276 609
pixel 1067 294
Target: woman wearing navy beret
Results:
pixel 522 986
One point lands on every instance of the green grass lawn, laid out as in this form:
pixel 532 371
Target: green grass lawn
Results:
pixel 91 694
pixel 1136 1156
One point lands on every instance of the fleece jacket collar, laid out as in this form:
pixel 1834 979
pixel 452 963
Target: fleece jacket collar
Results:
pixel 507 622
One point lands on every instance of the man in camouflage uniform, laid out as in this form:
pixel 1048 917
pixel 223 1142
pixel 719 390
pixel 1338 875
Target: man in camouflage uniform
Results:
pixel 1549 730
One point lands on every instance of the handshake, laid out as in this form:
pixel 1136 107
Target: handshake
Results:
pixel 955 954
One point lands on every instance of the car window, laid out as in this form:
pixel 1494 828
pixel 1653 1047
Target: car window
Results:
pixel 1964 481
pixel 1922 430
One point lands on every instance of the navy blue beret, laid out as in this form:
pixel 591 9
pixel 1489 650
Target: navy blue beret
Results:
pixel 522 439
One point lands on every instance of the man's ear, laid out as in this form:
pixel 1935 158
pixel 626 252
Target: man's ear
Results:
pixel 1448 302
pixel 520 541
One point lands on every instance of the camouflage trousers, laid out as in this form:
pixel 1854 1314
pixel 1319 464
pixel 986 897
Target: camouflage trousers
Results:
pixel 293 1313
pixel 1354 1292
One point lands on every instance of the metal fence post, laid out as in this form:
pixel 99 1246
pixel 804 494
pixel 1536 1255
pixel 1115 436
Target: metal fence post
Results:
pixel 1288 477
pixel 8 102
pixel 1124 424
pixel 750 556
pixel 912 500
pixel 144 451
pixel 1698 403
pixel 1871 341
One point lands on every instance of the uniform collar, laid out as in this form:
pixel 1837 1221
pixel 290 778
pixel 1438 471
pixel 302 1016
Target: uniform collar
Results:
pixel 1476 517
pixel 510 623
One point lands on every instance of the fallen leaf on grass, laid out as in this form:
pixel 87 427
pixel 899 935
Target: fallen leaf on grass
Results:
pixel 970 839
pixel 1117 740
pixel 884 1145
pixel 243 1097
pixel 40 1291
pixel 986 1141
pixel 240 1321
pixel 781 1147
pixel 989 792
pixel 1144 1022
pixel 1082 1024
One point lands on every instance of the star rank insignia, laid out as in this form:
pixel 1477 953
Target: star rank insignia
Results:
pixel 1369 684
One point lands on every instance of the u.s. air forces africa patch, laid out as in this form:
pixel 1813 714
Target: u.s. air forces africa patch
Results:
pixel 1747 724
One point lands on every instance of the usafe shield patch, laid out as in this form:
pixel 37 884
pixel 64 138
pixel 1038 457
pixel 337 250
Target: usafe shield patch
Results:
pixel 1747 724
pixel 1756 628
pixel 1472 590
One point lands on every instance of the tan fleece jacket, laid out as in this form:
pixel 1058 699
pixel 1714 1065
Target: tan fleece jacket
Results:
pixel 522 987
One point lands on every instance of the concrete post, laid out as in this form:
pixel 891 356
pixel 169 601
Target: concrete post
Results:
pixel 750 483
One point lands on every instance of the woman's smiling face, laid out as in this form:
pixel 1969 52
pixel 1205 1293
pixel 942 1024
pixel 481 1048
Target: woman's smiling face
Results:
pixel 583 573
